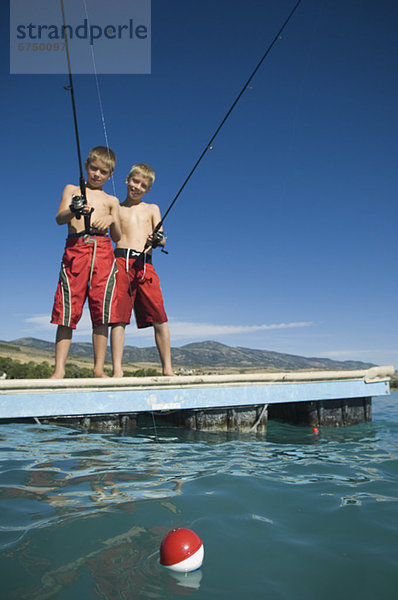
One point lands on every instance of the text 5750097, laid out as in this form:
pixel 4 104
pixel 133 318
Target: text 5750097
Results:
pixel 42 47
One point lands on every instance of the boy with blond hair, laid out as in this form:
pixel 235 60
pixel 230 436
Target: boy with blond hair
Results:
pixel 88 266
pixel 137 282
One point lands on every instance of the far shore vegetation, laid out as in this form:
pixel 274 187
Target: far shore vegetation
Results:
pixel 15 369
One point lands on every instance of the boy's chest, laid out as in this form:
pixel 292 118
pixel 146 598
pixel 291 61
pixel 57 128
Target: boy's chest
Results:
pixel 136 216
pixel 96 202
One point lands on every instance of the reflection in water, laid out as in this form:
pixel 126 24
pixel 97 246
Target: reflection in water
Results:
pixel 186 581
pixel 120 568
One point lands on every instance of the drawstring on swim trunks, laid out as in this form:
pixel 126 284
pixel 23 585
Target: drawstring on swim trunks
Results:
pixel 127 259
pixel 143 274
pixel 87 239
pixel 128 255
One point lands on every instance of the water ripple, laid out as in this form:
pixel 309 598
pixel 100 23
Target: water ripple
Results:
pixel 103 502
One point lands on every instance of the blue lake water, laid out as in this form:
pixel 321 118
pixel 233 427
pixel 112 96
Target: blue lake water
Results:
pixel 292 516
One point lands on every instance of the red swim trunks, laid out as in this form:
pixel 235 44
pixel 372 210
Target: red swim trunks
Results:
pixel 88 270
pixel 139 288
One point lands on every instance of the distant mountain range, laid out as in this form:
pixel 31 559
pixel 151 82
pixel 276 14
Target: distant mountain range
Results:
pixel 208 355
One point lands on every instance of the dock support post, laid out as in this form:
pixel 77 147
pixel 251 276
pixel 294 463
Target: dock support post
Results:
pixel 323 413
pixel 239 418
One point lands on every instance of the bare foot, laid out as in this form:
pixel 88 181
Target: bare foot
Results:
pixel 58 375
pixel 117 374
pixel 168 374
pixel 99 374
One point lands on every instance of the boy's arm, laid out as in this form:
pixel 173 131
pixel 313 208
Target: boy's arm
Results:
pixel 156 218
pixel 64 214
pixel 109 221
pixel 115 229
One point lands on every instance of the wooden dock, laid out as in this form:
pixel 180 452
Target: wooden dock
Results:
pixel 198 401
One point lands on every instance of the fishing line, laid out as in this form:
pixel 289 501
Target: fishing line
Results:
pixel 244 88
pixel 72 95
pixel 70 87
pixel 99 97
pixel 154 426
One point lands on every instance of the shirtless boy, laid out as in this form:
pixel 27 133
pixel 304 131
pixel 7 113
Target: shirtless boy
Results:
pixel 137 283
pixel 88 266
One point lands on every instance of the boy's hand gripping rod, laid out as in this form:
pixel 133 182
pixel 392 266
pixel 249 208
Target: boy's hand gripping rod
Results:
pixel 209 144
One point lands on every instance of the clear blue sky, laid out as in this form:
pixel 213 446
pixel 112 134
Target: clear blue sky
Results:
pixel 286 236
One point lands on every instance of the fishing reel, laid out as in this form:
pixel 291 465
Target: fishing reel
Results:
pixel 158 238
pixel 77 206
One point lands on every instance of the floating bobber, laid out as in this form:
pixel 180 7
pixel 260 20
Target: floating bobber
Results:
pixel 315 430
pixel 182 550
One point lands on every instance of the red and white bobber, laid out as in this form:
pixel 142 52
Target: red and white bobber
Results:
pixel 182 550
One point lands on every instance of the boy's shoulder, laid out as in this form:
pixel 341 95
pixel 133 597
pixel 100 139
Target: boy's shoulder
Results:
pixel 146 206
pixel 110 198
pixel 152 207
pixel 71 187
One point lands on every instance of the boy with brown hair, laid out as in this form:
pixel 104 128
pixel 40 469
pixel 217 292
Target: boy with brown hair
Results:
pixel 137 282
pixel 88 266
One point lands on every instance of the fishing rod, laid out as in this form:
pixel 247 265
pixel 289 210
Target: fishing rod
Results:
pixel 209 144
pixel 78 202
